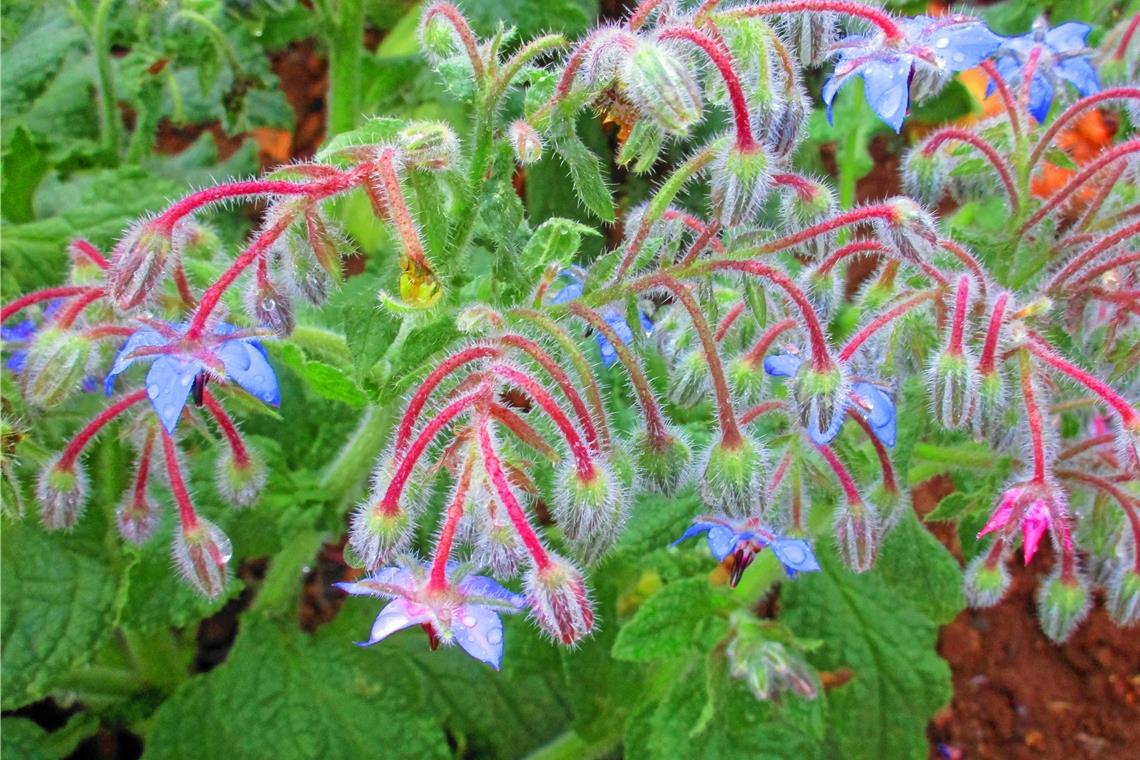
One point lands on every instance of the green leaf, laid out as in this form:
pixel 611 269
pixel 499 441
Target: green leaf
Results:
pixel 666 625
pixel 369 329
pixel 281 693
pixel 24 168
pixel 24 739
pixel 56 594
pixel 323 379
pixel 883 627
pixel 950 507
pixel 556 240
pixel 585 168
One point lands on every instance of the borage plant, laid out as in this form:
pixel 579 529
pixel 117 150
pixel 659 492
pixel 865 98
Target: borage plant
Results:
pixel 580 393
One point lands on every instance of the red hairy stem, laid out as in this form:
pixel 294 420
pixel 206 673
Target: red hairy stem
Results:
pixel 1079 179
pixel 861 337
pixel 985 148
pixel 1033 417
pixel 968 260
pixel 1126 502
pixel 81 247
pixel 262 243
pixel 68 316
pixel 779 473
pixel 183 285
pixel 531 387
pixel 958 322
pixel 1006 98
pixel 1083 446
pixel 722 59
pixel 390 502
pixel 398 209
pixel 1097 271
pixel 1122 48
pixel 846 482
pixel 756 354
pixel 729 320
pixel 654 421
pixel 802 186
pixel 1129 300
pixel 706 239
pixel 642 13
pixel 522 430
pixel 763 408
pixel 993 333
pixel 438 580
pixel 821 356
pixel 142 474
pixel 1105 190
pixel 1027 73
pixel 1041 348
pixel 546 361
pixel 84 436
pixel 993 556
pixel 108 331
pixel 39 296
pixel 858 10
pixel 428 386
pixel 581 365
pixel 885 465
pixel 853 248
pixel 706 231
pixel 855 216
pixel 1075 110
pixel 1090 253
pixel 229 429
pixel 518 518
pixel 730 431
pixel 462 28
pixel 187 517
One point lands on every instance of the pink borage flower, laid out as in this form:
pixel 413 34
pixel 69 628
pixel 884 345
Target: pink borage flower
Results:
pixel 1033 508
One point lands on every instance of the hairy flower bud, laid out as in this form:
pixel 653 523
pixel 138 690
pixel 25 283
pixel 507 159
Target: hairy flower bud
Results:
pixel 497 546
pixel 62 494
pixel 747 378
pixel 137 516
pixel 857 535
pixel 377 537
pixel 767 665
pixel 327 242
pixel 201 554
pixel 733 476
pixel 559 601
pixel 810 35
pixel 304 275
pixel 690 379
pixel 1123 600
pixel 985 584
pixel 924 175
pixel 783 133
pixel 825 289
pixel 660 85
pixel 429 145
pixel 990 401
pixel 525 141
pixel 664 465
pixel 270 307
pixel 137 265
pixel 1062 605
pixel 740 182
pixel 240 482
pixel 590 510
pixel 953 388
pixel 56 364
pixel 821 400
pixel 438 38
pixel 804 207
pixel 911 230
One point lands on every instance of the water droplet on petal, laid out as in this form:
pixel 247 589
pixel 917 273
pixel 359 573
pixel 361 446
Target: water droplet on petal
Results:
pixel 494 636
pixel 469 621
pixel 152 390
pixel 942 42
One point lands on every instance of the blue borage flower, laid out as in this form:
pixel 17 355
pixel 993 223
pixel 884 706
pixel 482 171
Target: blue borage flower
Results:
pixel 744 539
pixel 921 61
pixel 20 335
pixel 867 399
pixel 225 353
pixel 1062 55
pixel 574 287
pixel 465 612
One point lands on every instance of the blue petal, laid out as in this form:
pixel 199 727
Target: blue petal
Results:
pixel 18 332
pixel 694 530
pixel 881 412
pixel 568 293
pixel 16 361
pixel 247 366
pixel 385 582
pixel 168 384
pixel 482 587
pixel 480 632
pixel 143 338
pixel 830 88
pixel 618 324
pixel 722 541
pixel 887 88
pixel 782 365
pixel 962 45
pixel 1068 36
pixel 646 322
pixel 821 435
pixel 1079 72
pixel 795 554
pixel 397 616
pixel 1040 97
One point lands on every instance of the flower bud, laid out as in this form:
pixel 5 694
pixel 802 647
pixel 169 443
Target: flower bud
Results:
pixel 56 364
pixel 661 86
pixel 559 601
pixel 591 511
pixel 270 307
pixel 1124 597
pixel 429 145
pixel 802 209
pixel 304 275
pixel 821 400
pixel 201 553
pixel 376 536
pixel 990 401
pixel 240 482
pixel 747 379
pixel 1062 605
pixel 62 494
pixel 437 37
pixel 767 666
pixel 497 547
pixel 924 175
pixel 690 380
pixel 825 290
pixel 137 516
pixel 664 465
pixel 927 80
pixel 740 183
pixel 953 388
pixel 783 134
pixel 137 265
pixel 327 241
pixel 911 230
pixel 194 240
pixel 857 535
pixel 984 584
pixel 525 141
pixel 810 35
pixel 732 478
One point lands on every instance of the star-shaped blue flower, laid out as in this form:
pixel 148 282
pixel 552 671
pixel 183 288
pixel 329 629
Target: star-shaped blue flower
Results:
pixel 465 612
pixel 573 289
pixel 744 539
pixel 225 353
pixel 1062 56
pixel 928 51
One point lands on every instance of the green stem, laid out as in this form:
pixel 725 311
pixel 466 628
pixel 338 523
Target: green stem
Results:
pixel 157 658
pixel 468 210
pixel 570 746
pixel 107 101
pixel 329 344
pixel 354 461
pixel 346 49
pixel 961 458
